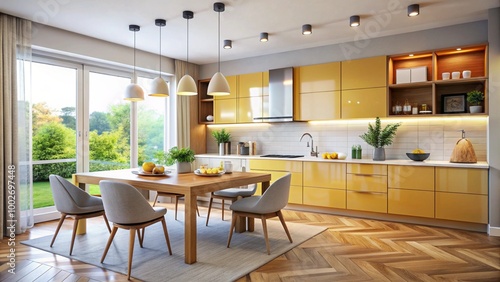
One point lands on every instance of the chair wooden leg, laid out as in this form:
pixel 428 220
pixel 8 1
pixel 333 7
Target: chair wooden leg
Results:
pixel 75 226
pixel 222 209
pixel 264 228
pixel 107 223
pixel 209 209
pixel 280 215
pixel 130 251
pixel 140 236
pixel 156 198
pixel 233 223
pixel 176 204
pixel 61 220
pixel 197 210
pixel 164 224
pixel 108 244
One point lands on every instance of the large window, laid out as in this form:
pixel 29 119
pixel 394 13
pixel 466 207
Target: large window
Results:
pixel 82 123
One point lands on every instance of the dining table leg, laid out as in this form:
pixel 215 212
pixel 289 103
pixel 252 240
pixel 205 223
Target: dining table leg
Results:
pixel 190 229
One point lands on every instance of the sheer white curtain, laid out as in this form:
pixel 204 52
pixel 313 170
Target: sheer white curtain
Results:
pixel 16 204
pixel 183 109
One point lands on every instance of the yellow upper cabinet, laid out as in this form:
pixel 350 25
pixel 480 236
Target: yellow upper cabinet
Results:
pixel 364 73
pixel 364 103
pixel 250 85
pixel 225 111
pixel 319 106
pixel 232 80
pixel 319 78
pixel 248 109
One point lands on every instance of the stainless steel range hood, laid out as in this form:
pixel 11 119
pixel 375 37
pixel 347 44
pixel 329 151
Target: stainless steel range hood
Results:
pixel 279 105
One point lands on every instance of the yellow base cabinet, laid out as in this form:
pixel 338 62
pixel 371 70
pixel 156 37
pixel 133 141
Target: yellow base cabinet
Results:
pixel 277 169
pixel 411 190
pixel 367 187
pixel 325 184
pixel 367 201
pixel 411 202
pixel 462 194
pixel 324 197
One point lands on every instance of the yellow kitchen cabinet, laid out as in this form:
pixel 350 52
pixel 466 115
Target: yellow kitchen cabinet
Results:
pixel 411 202
pixel 250 85
pixel 462 194
pixel 367 187
pixel 248 108
pixel 277 169
pixel 462 180
pixel 372 202
pixel 411 177
pixel 225 110
pixel 319 78
pixel 364 103
pixel 319 106
pixel 462 207
pixel 232 80
pixel 364 73
pixel 324 184
pixel 325 197
pixel 411 190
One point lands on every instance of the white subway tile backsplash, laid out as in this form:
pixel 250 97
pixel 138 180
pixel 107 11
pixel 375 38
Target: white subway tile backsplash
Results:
pixel 436 136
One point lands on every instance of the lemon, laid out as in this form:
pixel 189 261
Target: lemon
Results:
pixel 203 171
pixel 334 155
pixel 418 151
pixel 159 169
pixel 148 166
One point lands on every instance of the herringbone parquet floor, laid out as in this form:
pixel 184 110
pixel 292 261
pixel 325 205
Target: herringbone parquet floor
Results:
pixel 351 249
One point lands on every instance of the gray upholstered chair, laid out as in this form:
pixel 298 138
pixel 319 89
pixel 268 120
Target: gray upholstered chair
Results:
pixel 176 197
pixel 73 201
pixel 128 209
pixel 266 206
pixel 231 194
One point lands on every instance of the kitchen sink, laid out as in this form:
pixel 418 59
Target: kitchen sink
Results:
pixel 281 156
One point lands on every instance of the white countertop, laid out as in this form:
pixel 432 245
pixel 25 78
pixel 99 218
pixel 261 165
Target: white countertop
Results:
pixel 348 160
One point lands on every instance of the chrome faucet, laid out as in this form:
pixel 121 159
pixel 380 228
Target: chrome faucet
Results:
pixel 313 153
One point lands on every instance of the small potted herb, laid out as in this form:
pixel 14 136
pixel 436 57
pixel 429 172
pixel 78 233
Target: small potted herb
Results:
pixel 181 157
pixel 223 138
pixel 378 138
pixel 475 98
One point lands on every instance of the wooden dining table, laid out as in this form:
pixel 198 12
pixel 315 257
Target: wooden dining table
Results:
pixel 188 184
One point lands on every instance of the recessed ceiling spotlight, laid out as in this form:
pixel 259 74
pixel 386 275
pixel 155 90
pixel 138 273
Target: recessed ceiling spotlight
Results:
pixel 264 37
pixel 411 55
pixel 354 21
pixel 413 10
pixel 306 29
pixel 228 44
pixel 459 49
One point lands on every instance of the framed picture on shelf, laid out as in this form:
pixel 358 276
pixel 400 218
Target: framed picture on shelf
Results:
pixel 454 103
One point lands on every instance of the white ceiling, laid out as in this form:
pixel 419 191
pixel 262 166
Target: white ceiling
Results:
pixel 242 22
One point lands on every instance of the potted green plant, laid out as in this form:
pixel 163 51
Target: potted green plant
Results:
pixel 223 138
pixel 475 98
pixel 181 157
pixel 379 138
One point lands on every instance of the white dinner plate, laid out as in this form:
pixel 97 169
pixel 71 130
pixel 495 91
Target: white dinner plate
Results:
pixel 146 173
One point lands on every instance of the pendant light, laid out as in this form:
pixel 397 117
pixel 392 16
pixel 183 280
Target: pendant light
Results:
pixel 134 92
pixel 218 85
pixel 159 87
pixel 187 85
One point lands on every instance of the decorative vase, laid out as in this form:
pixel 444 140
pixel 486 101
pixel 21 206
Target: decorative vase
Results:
pixel 379 154
pixel 224 148
pixel 183 167
pixel 476 109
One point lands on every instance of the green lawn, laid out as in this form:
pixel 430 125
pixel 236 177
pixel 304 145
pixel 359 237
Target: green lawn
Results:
pixel 42 194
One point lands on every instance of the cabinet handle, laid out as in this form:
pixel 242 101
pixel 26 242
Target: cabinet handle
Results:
pixel 370 175
pixel 367 192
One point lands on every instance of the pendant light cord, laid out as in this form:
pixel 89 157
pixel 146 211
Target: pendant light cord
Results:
pixel 218 42
pixel 187 46
pixel 160 51
pixel 134 57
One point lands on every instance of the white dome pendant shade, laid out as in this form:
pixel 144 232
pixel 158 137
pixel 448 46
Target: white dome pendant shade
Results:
pixel 218 85
pixel 134 92
pixel 159 87
pixel 187 85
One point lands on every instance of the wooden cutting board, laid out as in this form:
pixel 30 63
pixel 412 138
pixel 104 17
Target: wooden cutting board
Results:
pixel 463 152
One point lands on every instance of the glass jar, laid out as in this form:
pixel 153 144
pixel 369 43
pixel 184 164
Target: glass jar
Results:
pixel 407 108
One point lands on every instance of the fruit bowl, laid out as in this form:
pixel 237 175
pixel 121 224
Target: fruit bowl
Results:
pixel 418 157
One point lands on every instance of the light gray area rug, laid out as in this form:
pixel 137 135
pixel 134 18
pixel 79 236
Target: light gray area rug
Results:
pixel 153 263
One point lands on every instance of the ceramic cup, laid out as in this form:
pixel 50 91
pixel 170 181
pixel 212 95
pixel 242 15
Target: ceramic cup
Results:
pixel 446 75
pixel 466 74
pixel 228 167
pixel 455 75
